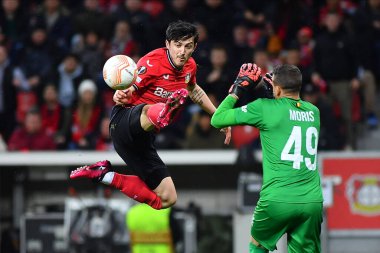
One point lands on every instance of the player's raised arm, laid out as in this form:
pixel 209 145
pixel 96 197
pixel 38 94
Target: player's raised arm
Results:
pixel 200 97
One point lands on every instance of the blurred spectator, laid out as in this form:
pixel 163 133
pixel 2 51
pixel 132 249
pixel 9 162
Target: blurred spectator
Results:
pixel 92 56
pixel 289 17
pixel 90 18
pixel 151 230
pixel 331 6
pixel 330 135
pixel 217 78
pixel 202 52
pixel 367 30
pixel 53 16
pixel 175 10
pixel 153 7
pixel 13 21
pixel 274 43
pixel 109 5
pixel 255 13
pixel 240 48
pixel 7 96
pixel 26 98
pixel 55 118
pixel 306 45
pixel 201 135
pixel 31 136
pixel 336 63
pixel 86 117
pixel 293 57
pixel 216 16
pixel 68 76
pixel 246 139
pixel 368 87
pixel 261 59
pixel 140 22
pixel 345 8
pixel 37 59
pixel 103 141
pixel 122 41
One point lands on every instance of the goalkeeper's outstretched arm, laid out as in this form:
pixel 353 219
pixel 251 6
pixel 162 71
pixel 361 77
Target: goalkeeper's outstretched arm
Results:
pixel 225 114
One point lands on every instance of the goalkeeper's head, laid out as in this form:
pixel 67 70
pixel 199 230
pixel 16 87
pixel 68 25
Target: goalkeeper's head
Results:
pixel 287 81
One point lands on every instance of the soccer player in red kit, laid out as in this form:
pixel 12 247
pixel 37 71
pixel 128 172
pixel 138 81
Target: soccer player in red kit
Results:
pixel 166 76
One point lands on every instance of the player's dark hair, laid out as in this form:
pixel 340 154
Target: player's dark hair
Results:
pixel 288 77
pixel 181 30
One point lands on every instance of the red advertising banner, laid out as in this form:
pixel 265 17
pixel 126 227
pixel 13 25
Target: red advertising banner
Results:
pixel 356 200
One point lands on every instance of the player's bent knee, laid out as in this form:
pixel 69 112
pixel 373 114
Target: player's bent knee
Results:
pixel 168 198
pixel 167 193
pixel 145 122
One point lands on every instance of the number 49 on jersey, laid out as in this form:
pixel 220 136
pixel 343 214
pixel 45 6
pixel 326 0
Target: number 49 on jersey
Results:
pixel 295 140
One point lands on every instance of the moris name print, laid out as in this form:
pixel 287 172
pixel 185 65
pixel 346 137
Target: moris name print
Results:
pixel 301 116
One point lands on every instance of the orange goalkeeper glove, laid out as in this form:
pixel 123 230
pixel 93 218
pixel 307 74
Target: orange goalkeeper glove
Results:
pixel 248 78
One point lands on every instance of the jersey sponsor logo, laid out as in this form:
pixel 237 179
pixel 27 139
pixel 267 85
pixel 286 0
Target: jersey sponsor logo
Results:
pixel 244 108
pixel 161 92
pixel 166 77
pixel 301 116
pixel 141 70
pixel 362 192
pixel 148 63
pixel 187 78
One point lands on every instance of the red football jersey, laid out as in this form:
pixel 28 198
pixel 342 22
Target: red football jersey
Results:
pixel 158 78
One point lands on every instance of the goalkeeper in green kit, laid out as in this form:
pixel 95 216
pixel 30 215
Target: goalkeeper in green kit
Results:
pixel 291 196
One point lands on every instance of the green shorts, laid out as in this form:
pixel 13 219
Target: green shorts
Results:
pixel 301 222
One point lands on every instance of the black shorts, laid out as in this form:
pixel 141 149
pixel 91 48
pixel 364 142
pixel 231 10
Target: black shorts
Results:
pixel 136 146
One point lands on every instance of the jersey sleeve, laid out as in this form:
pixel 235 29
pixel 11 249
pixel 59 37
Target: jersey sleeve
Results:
pixel 193 78
pixel 250 114
pixel 224 114
pixel 147 69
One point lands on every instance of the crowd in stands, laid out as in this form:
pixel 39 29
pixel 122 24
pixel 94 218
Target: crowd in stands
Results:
pixel 52 95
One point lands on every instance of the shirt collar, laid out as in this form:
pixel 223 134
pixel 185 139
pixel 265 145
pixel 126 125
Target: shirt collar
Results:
pixel 171 61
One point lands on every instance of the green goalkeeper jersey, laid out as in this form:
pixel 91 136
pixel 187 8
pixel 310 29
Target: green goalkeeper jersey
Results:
pixel 289 131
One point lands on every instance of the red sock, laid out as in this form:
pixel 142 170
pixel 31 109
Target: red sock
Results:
pixel 154 112
pixel 135 188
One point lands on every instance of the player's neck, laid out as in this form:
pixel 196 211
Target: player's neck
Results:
pixel 289 95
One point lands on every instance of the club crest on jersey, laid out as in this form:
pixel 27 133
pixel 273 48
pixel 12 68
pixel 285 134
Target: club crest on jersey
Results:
pixel 141 70
pixel 187 78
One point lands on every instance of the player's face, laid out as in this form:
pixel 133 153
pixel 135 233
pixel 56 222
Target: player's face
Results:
pixel 180 51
